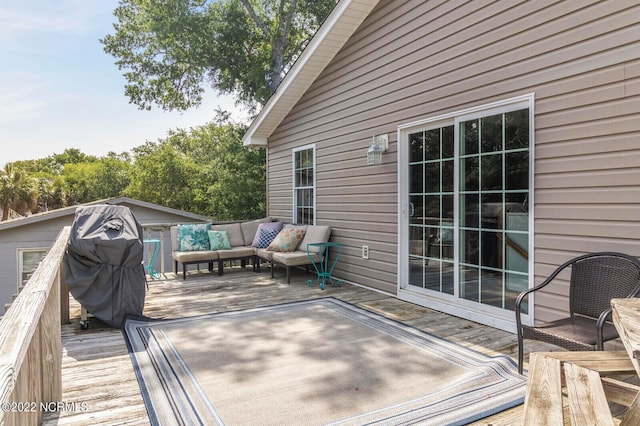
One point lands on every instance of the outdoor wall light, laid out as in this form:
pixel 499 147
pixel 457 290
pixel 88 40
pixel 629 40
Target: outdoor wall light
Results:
pixel 377 146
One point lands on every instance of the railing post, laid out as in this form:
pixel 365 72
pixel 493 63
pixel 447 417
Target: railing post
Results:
pixel 162 269
pixel 63 293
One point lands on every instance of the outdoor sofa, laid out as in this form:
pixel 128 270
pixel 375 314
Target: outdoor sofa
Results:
pixel 191 244
pixel 256 241
pixel 311 234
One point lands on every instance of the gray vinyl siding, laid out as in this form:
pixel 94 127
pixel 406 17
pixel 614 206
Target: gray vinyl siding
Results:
pixel 39 235
pixel 413 60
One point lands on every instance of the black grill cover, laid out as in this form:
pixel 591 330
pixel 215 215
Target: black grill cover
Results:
pixel 103 262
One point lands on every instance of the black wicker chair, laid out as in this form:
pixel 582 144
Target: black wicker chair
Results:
pixel 596 278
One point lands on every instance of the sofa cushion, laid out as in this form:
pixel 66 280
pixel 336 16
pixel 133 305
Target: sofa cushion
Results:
pixel 234 232
pixel 264 254
pixel 288 239
pixel 250 229
pixel 295 258
pixel 315 234
pixel 194 256
pixel 271 226
pixel 193 237
pixel 175 244
pixel 236 253
pixel 219 240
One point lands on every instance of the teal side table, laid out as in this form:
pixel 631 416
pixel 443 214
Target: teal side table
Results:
pixel 323 268
pixel 154 252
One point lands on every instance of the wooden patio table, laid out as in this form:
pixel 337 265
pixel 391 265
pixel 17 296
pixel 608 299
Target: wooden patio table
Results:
pixel 586 378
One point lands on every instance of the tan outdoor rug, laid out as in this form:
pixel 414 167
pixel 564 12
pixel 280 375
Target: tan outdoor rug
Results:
pixel 310 363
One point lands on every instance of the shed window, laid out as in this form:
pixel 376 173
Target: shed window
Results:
pixel 28 261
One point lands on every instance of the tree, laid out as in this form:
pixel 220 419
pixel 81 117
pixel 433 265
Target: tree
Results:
pixel 204 170
pixel 96 179
pixel 238 179
pixel 109 176
pixel 233 177
pixel 73 177
pixel 170 50
pixel 76 178
pixel 17 191
pixel 72 156
pixel 163 175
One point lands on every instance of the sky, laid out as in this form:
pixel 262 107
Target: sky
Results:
pixel 60 90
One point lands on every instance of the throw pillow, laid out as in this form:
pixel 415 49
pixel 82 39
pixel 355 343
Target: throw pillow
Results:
pixel 272 226
pixel 265 237
pixel 287 240
pixel 193 237
pixel 219 240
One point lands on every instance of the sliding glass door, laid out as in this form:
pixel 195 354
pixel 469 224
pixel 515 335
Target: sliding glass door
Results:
pixel 467 217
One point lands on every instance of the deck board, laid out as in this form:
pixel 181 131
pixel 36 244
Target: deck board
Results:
pixel 97 371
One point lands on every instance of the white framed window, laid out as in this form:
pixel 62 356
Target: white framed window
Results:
pixel 28 260
pixel 304 185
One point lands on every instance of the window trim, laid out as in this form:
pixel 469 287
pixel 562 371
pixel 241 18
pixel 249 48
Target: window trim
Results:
pixel 20 261
pixel 294 151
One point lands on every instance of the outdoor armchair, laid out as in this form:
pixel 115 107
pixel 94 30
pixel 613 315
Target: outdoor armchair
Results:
pixel 595 279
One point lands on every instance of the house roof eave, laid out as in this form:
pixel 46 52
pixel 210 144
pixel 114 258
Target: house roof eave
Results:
pixel 342 22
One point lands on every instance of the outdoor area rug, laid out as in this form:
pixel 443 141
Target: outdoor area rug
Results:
pixel 313 362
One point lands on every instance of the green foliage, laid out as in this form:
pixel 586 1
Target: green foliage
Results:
pixel 89 181
pixel 17 190
pixel 109 176
pixel 205 170
pixel 171 50
pixel 73 156
pixel 54 164
pixel 162 175
pixel 50 192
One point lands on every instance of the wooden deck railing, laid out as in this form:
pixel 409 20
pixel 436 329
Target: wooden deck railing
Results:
pixel 30 344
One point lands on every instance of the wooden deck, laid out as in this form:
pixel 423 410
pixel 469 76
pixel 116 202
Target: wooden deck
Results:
pixel 98 382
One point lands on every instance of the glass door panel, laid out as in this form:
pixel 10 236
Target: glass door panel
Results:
pixel 494 185
pixel 431 198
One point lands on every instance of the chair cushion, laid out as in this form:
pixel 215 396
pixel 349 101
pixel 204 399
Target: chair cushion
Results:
pixel 194 256
pixel 250 229
pixel 236 252
pixel 271 226
pixel 315 234
pixel 264 254
pixel 234 232
pixel 573 333
pixel 219 240
pixel 288 239
pixel 175 243
pixel 295 258
pixel 193 237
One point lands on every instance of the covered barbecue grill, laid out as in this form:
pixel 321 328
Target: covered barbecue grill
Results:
pixel 103 262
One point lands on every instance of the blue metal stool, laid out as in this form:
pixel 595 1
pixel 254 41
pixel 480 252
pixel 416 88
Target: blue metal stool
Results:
pixel 154 252
pixel 323 269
